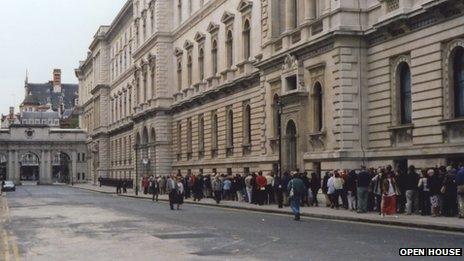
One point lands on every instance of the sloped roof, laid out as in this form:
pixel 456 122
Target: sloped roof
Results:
pixel 42 94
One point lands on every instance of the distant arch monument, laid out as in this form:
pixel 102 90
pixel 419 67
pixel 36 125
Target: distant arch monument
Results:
pixel 43 154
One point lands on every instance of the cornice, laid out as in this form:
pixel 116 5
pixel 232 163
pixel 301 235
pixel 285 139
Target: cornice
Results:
pixel 158 37
pixel 238 84
pixel 99 87
pixel 121 78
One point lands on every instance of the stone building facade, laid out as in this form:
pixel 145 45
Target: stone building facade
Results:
pixel 211 86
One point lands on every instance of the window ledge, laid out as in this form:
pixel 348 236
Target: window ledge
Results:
pixel 451 121
pixel 316 134
pixel 401 127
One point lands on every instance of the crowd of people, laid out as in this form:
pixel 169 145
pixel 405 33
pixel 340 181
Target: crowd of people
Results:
pixel 437 191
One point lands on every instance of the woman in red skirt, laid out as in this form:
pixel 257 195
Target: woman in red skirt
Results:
pixel 389 193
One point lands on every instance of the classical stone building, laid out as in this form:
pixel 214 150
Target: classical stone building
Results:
pixel 204 86
pixel 42 154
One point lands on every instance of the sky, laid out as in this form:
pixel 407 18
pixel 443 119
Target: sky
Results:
pixel 41 35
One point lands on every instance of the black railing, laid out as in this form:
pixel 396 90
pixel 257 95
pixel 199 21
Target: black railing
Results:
pixel 112 182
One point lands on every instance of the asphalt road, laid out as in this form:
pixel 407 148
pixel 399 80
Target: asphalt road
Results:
pixel 62 223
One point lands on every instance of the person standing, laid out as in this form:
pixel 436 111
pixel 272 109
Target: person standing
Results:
pixel 331 190
pixel 171 189
pixel 449 196
pixel 424 194
pixel 249 187
pixel 401 180
pixel 154 189
pixel 296 190
pixel 389 193
pixel 216 186
pixel 362 190
pixel 285 180
pixel 180 192
pixel 315 183
pixel 412 197
pixel 435 185
pixel 459 179
pixel 118 187
pixel 124 186
pixel 198 188
pixel 376 184
pixel 261 183
pixel 325 189
pixel 227 184
pixel 338 184
pixel 351 190
pixel 278 188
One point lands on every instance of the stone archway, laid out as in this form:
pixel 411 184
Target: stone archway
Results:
pixel 3 167
pixel 29 167
pixel 61 168
pixel 291 146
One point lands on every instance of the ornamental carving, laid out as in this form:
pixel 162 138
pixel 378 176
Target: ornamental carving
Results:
pixel 290 63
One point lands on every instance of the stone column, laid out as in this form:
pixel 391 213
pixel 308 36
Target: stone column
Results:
pixel 74 165
pixel 46 162
pixel 310 10
pixel 16 167
pixel 10 175
pixel 289 15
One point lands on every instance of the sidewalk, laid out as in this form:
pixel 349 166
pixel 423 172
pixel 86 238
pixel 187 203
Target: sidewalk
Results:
pixel 412 221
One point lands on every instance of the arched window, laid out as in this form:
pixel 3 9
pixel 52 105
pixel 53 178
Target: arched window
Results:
pixel 230 129
pixel 276 115
pixel 189 138
pixel 189 70
pixel 201 64
pixel 179 11
pixel 214 128
pixel 458 80
pixel 247 125
pixel 246 40
pixel 153 80
pixel 179 76
pixel 145 86
pixel 201 134
pixel 214 57
pixel 405 93
pixel 318 108
pixel 229 49
pixel 179 138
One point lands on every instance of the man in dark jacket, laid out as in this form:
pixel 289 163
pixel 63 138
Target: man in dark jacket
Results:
pixel 459 179
pixel 412 197
pixel 296 189
pixel 363 181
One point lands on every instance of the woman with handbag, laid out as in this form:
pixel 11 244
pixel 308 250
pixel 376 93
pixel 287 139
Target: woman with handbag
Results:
pixel 435 186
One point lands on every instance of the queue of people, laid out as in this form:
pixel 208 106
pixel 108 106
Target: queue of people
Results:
pixel 436 191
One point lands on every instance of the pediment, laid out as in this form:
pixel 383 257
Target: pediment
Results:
pixel 244 5
pixel 188 45
pixel 178 51
pixel 199 37
pixel 212 27
pixel 227 17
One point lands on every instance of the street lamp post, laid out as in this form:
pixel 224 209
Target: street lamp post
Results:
pixel 279 132
pixel 136 171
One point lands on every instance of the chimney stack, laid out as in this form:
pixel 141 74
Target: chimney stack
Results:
pixel 56 77
pixel 57 80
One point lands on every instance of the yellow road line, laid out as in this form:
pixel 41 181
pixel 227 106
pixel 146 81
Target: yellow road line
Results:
pixel 6 247
pixel 15 249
